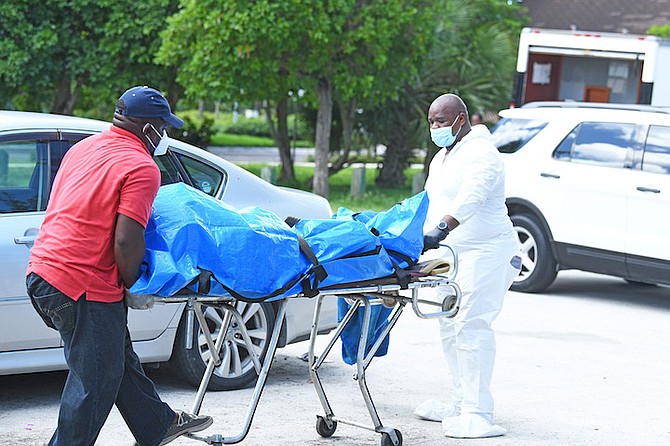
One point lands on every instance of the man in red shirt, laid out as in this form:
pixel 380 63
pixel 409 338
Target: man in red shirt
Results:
pixel 88 252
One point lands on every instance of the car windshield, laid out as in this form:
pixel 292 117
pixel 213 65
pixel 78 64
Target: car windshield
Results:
pixel 509 134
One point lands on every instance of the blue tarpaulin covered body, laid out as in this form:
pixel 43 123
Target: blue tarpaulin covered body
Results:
pixel 400 231
pixel 251 251
pixel 252 254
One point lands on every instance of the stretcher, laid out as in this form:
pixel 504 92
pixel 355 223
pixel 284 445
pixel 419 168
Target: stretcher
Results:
pixel 385 291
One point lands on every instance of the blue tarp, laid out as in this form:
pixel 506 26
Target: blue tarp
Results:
pixel 400 229
pixel 351 335
pixel 251 251
pixel 253 254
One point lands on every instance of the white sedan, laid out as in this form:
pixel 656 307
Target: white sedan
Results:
pixel 31 148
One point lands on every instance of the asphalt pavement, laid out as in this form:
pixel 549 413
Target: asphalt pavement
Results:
pixel 585 364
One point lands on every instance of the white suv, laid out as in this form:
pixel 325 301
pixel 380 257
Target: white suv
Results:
pixel 588 188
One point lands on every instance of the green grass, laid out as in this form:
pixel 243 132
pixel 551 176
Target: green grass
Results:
pixel 18 175
pixel 375 198
pixel 230 140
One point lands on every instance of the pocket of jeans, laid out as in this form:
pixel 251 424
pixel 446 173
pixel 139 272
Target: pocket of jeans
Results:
pixel 56 309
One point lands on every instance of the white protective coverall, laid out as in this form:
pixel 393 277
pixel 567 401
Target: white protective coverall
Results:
pixel 468 183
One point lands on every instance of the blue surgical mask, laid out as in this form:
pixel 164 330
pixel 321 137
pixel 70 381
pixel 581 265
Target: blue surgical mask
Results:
pixel 443 136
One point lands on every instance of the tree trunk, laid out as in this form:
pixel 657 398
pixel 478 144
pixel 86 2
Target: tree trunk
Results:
pixel 283 141
pixel 347 113
pixel 66 96
pixel 396 159
pixel 324 117
pixel 201 108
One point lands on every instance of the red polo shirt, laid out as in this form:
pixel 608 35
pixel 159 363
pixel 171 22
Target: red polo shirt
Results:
pixel 99 177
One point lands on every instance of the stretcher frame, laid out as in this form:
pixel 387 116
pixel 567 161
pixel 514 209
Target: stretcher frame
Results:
pixel 367 293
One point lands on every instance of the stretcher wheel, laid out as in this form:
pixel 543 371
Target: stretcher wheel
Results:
pixel 386 438
pixel 322 427
pixel 449 303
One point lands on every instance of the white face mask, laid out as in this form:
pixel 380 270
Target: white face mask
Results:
pixel 162 146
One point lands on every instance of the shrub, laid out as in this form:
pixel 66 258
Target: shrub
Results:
pixel 196 131
pixel 249 126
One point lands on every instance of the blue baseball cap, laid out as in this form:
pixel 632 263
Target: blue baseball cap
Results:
pixel 146 102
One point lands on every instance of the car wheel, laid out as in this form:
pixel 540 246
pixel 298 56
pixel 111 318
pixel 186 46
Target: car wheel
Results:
pixel 236 369
pixel 538 265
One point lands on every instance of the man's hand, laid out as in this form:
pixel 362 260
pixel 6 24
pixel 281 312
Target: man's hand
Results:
pixel 432 239
pixel 139 301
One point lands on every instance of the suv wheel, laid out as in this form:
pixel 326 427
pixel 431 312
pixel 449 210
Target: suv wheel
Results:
pixel 236 369
pixel 538 269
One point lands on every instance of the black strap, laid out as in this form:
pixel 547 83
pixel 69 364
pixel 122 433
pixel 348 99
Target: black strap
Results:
pixel 202 281
pixel 320 273
pixel 402 275
pixel 407 259
pixel 291 221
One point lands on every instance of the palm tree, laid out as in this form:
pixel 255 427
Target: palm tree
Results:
pixel 473 54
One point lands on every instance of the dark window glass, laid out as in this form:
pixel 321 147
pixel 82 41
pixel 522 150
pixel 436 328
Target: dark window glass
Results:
pixel 24 176
pixel 169 173
pixel 601 143
pixel 656 156
pixel 564 149
pixel 203 176
pixel 509 135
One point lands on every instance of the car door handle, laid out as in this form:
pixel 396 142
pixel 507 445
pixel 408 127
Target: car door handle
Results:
pixel 549 175
pixel 649 189
pixel 25 240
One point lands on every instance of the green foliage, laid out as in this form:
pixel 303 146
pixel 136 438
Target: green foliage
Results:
pixel 375 198
pixel 253 126
pixel 360 50
pixel 230 140
pixel 260 127
pixel 196 131
pixel 56 51
pixel 662 31
pixel 471 52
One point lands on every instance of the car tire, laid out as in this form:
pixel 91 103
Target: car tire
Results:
pixel 538 268
pixel 236 370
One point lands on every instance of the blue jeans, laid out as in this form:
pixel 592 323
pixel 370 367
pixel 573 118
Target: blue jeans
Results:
pixel 104 370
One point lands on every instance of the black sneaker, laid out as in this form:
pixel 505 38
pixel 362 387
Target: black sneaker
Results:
pixel 186 424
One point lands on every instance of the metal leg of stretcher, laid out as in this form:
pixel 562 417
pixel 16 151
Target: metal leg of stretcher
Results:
pixel 215 359
pixel 326 425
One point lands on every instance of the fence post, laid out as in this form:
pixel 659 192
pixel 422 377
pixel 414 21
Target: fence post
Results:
pixel 269 174
pixel 358 181
pixel 418 181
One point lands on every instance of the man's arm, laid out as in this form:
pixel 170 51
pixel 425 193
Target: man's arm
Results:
pixel 129 248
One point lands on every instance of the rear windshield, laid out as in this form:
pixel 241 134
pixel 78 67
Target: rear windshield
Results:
pixel 509 134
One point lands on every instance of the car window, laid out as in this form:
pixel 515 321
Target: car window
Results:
pixel 169 172
pixel 509 135
pixel 24 176
pixel 564 149
pixel 203 176
pixel 656 156
pixel 602 143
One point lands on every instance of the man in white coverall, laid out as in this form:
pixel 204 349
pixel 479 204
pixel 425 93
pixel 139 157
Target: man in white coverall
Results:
pixel 466 188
